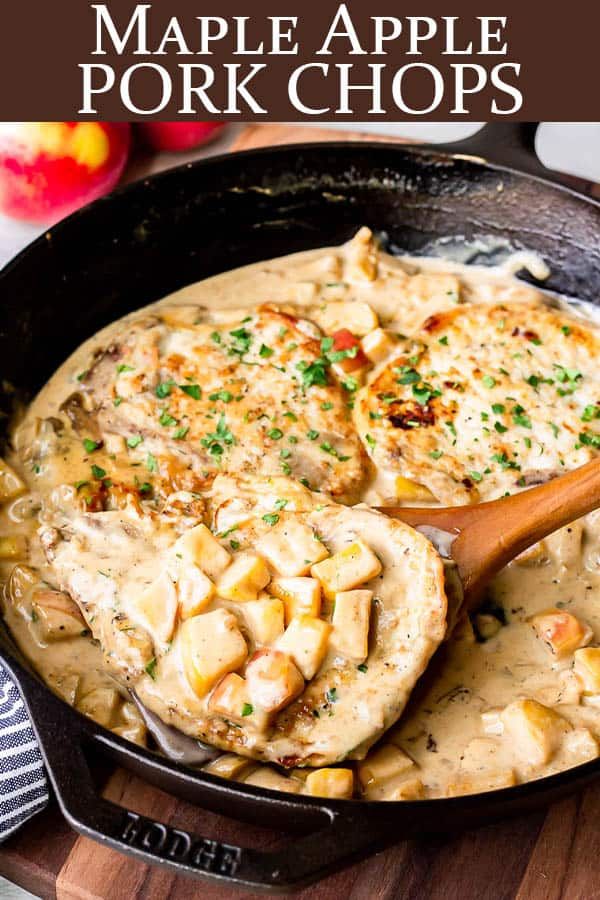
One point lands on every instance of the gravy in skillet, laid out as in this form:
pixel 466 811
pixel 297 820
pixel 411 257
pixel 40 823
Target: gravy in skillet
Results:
pixel 262 403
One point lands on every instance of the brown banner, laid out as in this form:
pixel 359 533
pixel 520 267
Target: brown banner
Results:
pixel 287 60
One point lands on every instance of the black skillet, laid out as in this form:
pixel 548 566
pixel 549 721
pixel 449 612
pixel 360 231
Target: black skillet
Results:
pixel 159 234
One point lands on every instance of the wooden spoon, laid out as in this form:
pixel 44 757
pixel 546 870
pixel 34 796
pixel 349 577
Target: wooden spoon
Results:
pixel 488 535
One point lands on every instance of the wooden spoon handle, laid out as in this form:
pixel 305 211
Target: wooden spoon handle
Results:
pixel 489 535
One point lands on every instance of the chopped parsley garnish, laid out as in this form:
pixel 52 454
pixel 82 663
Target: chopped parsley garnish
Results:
pixel 407 375
pixel 122 367
pixel 313 373
pixel 242 341
pixel 443 340
pixel 436 454
pixel 326 447
pixel 214 441
pixel 488 381
pixel 312 435
pixel 271 518
pixel 370 440
pixel 151 463
pixel 91 445
pixel 181 433
pixel 151 668
pixel 265 352
pixel 281 503
pixel 500 428
pixel 498 408
pixel 134 441
pixel 503 461
pixel 163 389
pixel 224 396
pixel 331 695
pixel 216 337
pixel 520 417
pixel 275 434
pixel 326 406
pixel 363 667
pixel 166 419
pixel 590 439
pixel 424 392
pixel 247 709
pixel 291 416
pixel 566 330
pixel 192 390
pixel 98 472
pixel 590 413
pixel 476 476
pixel 117 401
pixel 569 378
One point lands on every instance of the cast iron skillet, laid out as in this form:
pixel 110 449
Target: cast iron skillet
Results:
pixel 194 221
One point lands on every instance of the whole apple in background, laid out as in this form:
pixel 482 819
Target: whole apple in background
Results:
pixel 177 136
pixel 50 169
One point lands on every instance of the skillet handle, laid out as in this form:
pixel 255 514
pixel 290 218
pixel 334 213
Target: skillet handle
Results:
pixel 512 144
pixel 341 832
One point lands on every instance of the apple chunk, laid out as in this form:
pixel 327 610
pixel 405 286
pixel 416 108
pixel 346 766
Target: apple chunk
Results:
pixel 351 617
pixel 273 680
pixel 212 645
pixel 535 730
pixel 305 640
pixel 156 608
pixel 200 546
pixel 301 596
pixel 264 618
pixel 231 699
pixel 292 547
pixel 195 591
pixel 244 578
pixel 351 567
pixel 587 669
pixel 562 631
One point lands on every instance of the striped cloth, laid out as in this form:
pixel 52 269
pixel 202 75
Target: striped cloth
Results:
pixel 23 785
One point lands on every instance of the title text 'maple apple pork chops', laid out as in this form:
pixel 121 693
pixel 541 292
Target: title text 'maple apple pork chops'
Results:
pixel 173 522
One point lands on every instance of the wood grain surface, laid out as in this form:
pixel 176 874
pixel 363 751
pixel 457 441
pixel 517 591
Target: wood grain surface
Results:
pixel 553 854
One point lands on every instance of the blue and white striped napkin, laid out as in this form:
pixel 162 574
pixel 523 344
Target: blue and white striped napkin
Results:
pixel 23 785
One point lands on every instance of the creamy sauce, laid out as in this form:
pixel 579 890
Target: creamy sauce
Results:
pixel 462 731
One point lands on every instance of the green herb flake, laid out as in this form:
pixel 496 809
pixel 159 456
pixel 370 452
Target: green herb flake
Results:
pixel 275 434
pixel 122 367
pixel 192 390
pixel 150 668
pixel 163 389
pixel 151 463
pixel 98 472
pixel 166 419
pixel 91 445
pixel 134 441
pixel 265 352
pixel 247 709
pixel 271 518
pixel 488 381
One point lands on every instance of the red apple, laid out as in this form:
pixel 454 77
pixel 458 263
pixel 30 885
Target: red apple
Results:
pixel 174 136
pixel 50 169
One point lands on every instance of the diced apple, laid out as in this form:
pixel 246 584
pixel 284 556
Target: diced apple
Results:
pixel 409 789
pixel 230 766
pixel 200 546
pixel 244 578
pixel 411 491
pixel 156 608
pixel 266 777
pixel 56 616
pixel 478 783
pixel 273 680
pixel 195 591
pixel 534 730
pixel 587 669
pixel 561 631
pixel 114 444
pixel 348 569
pixel 361 253
pixel 337 314
pixel 305 640
pixel 351 616
pixel 355 360
pixel 10 483
pixel 383 764
pixel 265 618
pixel 231 700
pixel 12 546
pixel 291 547
pixel 301 596
pixel 378 344
pixel 581 745
pixel 335 783
pixel 212 645
pixel 100 705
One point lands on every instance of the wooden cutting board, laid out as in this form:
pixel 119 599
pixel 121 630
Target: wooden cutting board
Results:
pixel 546 855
